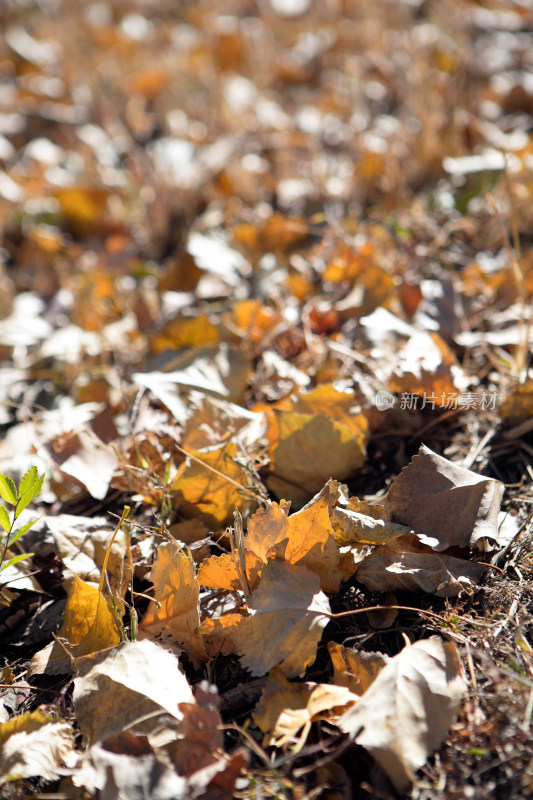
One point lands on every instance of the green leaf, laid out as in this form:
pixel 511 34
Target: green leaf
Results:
pixel 28 480
pixel 8 490
pixel 21 531
pixel 28 496
pixel 5 522
pixel 14 560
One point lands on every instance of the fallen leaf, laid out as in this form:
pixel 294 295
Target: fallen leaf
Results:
pixel 88 623
pixel 426 366
pixel 136 686
pixel 286 623
pixel 407 711
pixel 120 776
pixel 81 544
pixel 406 565
pixel 173 616
pixel 355 669
pixel 185 332
pixel 286 708
pixel 221 371
pixel 302 538
pixel 220 572
pixel 212 484
pixel 444 500
pixel 33 745
pixel 351 527
pixel 308 449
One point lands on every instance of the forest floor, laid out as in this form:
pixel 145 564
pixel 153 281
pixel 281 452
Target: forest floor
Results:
pixel 258 253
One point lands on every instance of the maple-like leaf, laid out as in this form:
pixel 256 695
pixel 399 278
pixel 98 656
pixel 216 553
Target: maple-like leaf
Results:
pixel 407 711
pixel 173 615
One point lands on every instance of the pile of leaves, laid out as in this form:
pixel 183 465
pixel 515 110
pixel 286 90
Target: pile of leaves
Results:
pixel 265 306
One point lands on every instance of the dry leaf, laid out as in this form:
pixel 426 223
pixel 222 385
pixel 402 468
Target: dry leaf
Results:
pixel 408 709
pixel 119 776
pixel 286 622
pixel 308 449
pixel 302 538
pixel 406 565
pixel 136 686
pixel 88 624
pixel 214 421
pixel 220 572
pixel 81 543
pixel 445 500
pixel 173 616
pixel 285 708
pixel 355 669
pixel 425 365
pixel 213 484
pixel 351 527
pixel 33 745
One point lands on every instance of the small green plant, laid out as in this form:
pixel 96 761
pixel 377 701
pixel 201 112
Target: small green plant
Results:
pixel 18 497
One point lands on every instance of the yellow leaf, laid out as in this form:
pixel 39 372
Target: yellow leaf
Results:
pixel 185 332
pixel 355 669
pixel 338 405
pixel 212 484
pixel 254 319
pixel 285 708
pixel 88 624
pixel 173 616
pixel 519 403
pixel 308 449
pixel 350 527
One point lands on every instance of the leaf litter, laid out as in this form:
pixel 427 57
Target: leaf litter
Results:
pixel 265 280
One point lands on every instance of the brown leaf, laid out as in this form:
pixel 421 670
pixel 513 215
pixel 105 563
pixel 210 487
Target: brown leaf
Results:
pixel 355 669
pixel 406 565
pixel 136 686
pixel 445 500
pixel 351 527
pixel 286 622
pixel 285 708
pixel 173 615
pixel 408 709
pixel 33 745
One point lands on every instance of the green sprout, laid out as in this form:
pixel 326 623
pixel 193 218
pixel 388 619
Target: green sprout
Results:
pixel 28 489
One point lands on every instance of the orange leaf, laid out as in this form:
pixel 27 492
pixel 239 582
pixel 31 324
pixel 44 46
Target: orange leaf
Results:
pixel 173 616
pixel 220 572
pixel 213 494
